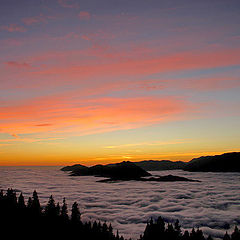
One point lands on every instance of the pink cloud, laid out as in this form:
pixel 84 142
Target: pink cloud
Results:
pixel 10 42
pixel 119 70
pixel 17 64
pixel 13 28
pixel 37 19
pixel 86 37
pixel 33 20
pixel 84 15
pixel 68 3
pixel 145 65
pixel 207 83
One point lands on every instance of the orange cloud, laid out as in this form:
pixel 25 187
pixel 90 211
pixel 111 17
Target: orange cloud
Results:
pixel 155 143
pixel 43 125
pixel 27 140
pixel 90 116
pixel 14 135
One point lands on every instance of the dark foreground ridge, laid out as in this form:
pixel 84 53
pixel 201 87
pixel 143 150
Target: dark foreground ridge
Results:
pixel 32 221
pixel 227 162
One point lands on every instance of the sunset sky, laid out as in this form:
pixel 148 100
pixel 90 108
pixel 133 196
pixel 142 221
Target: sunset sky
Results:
pixel 106 81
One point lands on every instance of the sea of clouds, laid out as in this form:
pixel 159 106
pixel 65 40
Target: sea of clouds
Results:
pixel 212 204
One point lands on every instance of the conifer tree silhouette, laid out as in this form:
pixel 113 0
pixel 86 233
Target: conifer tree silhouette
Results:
pixel 186 235
pixel 226 237
pixel 199 235
pixel 58 209
pixel 36 208
pixel 21 202
pixel 1 194
pixel 11 196
pixel 50 209
pixel 236 234
pixel 29 203
pixel 209 237
pixel 64 211
pixel 76 215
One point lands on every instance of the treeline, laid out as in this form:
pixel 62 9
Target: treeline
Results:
pixel 32 221
pixel 159 230
pixel 29 220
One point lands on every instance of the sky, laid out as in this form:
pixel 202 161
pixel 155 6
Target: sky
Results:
pixel 106 81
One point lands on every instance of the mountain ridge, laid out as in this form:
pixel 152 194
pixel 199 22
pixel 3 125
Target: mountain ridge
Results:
pixel 226 162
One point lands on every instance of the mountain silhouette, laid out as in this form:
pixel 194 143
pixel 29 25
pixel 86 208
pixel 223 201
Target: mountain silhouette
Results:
pixel 74 167
pixel 155 165
pixel 147 165
pixel 123 170
pixel 227 162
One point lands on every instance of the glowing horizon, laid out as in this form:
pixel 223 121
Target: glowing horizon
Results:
pixel 84 82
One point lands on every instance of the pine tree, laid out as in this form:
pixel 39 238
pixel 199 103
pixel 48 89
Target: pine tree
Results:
pixel 29 203
pixel 104 227
pixel 193 234
pixel 64 211
pixel 170 233
pixel 50 209
pixel 226 237
pixel 21 202
pixel 110 228
pixel 236 234
pixel 76 215
pixel 185 235
pixel 58 209
pixel 209 237
pixel 177 228
pixel 199 235
pixel 11 197
pixel 117 236
pixel 36 208
pixel 161 224
pixel 1 194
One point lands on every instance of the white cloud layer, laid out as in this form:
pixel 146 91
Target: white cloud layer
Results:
pixel 211 204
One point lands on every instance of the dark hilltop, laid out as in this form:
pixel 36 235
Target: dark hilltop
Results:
pixel 227 162
pixel 123 171
pixel 118 171
pixel 154 165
